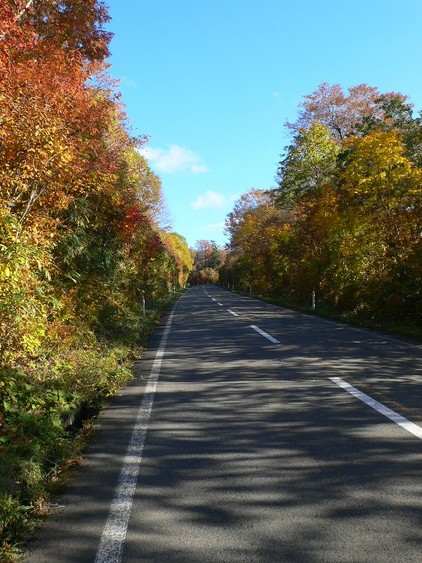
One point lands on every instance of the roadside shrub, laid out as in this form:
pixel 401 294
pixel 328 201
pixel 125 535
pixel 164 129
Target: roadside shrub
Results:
pixel 35 440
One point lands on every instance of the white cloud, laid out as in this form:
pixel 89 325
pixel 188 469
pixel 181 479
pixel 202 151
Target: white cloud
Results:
pixel 174 159
pixel 213 228
pixel 199 168
pixel 209 199
pixel 212 200
pixel 128 81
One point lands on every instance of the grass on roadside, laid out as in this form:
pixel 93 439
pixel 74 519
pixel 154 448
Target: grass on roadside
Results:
pixel 41 441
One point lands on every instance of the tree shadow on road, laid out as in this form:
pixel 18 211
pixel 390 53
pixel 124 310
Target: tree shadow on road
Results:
pixel 253 454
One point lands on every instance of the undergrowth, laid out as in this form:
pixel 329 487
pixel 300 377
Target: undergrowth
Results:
pixel 46 409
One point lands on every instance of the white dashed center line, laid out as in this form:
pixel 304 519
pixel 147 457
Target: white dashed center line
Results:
pixel 232 313
pixel 265 334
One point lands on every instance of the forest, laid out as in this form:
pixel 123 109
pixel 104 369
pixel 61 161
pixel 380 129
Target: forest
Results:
pixel 86 259
pixel 345 218
pixel 88 263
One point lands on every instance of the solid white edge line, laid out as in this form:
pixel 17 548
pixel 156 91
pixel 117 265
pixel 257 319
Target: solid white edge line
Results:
pixel 379 407
pixel 114 533
pixel 265 334
pixel 232 312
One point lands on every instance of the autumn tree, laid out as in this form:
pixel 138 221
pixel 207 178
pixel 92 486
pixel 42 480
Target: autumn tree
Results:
pixel 82 242
pixel 51 124
pixel 73 184
pixel 178 248
pixel 378 252
pixel 207 258
pixel 257 228
pixel 69 25
pixel 345 219
pixel 310 163
pixel 247 202
pixel 207 254
pixel 343 114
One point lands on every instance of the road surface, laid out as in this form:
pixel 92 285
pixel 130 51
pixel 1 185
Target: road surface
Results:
pixel 252 433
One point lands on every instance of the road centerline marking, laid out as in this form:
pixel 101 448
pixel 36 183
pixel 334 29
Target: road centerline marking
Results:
pixel 233 313
pixel 114 533
pixel 379 407
pixel 265 334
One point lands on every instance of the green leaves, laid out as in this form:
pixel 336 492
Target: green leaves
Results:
pixel 310 163
pixel 350 188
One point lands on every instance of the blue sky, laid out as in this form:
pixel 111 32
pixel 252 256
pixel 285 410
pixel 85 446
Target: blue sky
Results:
pixel 212 82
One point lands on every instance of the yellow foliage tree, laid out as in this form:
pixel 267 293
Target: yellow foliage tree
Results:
pixel 377 240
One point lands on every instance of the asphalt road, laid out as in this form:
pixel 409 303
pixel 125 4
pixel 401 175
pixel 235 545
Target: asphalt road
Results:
pixel 233 444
